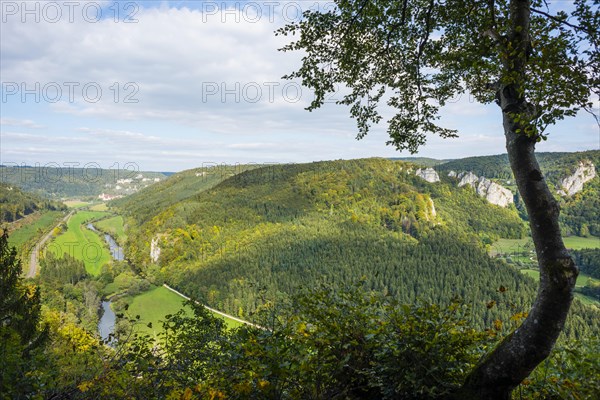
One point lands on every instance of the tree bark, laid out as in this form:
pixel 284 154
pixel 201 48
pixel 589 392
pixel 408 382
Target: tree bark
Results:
pixel 519 353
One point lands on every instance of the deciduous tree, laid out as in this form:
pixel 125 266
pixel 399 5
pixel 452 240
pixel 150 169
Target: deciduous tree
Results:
pixel 537 65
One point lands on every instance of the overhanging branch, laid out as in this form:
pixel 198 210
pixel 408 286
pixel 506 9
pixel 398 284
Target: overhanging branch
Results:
pixel 561 21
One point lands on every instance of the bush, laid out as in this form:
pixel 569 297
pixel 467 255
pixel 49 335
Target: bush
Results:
pixel 324 344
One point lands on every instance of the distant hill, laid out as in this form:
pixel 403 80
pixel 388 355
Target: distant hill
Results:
pixel 60 183
pixel 554 165
pixel 264 233
pixel 580 213
pixel 421 161
pixel 16 204
pixel 180 186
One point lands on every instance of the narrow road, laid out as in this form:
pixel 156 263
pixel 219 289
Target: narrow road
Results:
pixel 33 257
pixel 213 310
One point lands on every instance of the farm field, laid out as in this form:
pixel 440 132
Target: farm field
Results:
pixel 578 243
pixel 114 227
pixel 582 280
pixel 507 246
pixel 75 203
pixel 153 305
pixel 20 236
pixel 99 207
pixel 82 243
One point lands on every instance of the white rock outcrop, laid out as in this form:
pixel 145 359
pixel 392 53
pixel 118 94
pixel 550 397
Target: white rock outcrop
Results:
pixel 467 178
pixel 494 193
pixel 491 191
pixel 429 174
pixel 154 250
pixel 432 211
pixel 585 172
pixel 452 174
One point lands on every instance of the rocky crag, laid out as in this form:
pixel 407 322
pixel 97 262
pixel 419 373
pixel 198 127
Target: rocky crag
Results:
pixel 572 184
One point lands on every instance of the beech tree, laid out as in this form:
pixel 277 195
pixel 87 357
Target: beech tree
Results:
pixel 539 66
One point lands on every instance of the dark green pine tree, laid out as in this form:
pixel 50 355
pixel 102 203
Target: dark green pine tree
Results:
pixel 19 320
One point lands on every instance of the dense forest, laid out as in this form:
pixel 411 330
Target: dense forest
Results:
pixel 555 165
pixel 263 234
pixel 16 203
pixel 181 186
pixel 367 281
pixel 579 214
pixel 323 342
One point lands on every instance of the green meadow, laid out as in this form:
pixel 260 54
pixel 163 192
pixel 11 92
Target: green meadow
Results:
pixel 76 203
pixel 508 246
pixel 114 227
pixel 82 243
pixel 99 207
pixel 153 305
pixel 578 243
pixel 20 236
pixel 582 280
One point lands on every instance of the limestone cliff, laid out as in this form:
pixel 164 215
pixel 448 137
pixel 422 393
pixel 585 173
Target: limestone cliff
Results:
pixel 467 178
pixel 154 250
pixel 572 184
pixel 491 191
pixel 432 211
pixel 429 174
pixel 494 193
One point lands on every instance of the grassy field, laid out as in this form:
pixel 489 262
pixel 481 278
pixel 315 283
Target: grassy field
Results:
pixel 82 243
pixel 114 227
pixel 30 231
pixel 508 246
pixel 153 305
pixel 99 207
pixel 75 203
pixel 582 280
pixel 577 243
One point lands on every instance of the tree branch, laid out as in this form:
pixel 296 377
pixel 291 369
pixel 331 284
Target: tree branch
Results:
pixel 427 30
pixel 492 6
pixel 562 21
pixel 491 33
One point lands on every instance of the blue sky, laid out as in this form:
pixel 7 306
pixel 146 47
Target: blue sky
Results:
pixel 175 85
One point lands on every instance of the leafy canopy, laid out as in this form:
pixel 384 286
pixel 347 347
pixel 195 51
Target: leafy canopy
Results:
pixel 418 55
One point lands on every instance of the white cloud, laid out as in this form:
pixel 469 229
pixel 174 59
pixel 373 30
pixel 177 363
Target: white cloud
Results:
pixel 24 123
pixel 120 136
pixel 205 90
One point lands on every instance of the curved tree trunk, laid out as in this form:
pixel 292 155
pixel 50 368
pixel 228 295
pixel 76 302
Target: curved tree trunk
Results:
pixel 515 357
pixel 519 353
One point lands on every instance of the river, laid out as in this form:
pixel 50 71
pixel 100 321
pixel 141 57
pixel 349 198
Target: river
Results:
pixel 106 325
pixel 115 250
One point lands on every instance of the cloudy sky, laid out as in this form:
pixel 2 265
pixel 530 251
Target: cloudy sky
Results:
pixel 175 85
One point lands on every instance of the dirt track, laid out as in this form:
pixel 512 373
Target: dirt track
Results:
pixel 33 257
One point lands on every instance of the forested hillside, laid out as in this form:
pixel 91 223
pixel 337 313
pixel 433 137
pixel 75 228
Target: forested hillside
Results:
pixel 365 274
pixel 579 212
pixel 16 203
pixel 266 233
pixel 554 165
pixel 181 186
pixel 57 182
